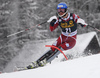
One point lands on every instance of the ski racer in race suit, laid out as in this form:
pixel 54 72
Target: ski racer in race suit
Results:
pixel 68 23
pixel 67 40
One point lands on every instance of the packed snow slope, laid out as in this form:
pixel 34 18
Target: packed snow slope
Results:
pixel 83 67
pixel 34 49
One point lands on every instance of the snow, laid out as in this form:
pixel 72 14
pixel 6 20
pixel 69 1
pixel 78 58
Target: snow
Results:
pixel 31 52
pixel 83 67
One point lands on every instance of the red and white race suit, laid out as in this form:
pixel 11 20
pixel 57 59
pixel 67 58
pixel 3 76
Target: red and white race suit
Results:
pixel 67 39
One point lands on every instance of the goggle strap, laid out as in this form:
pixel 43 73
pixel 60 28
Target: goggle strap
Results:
pixel 63 14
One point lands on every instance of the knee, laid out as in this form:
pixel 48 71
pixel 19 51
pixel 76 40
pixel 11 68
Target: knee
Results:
pixel 67 46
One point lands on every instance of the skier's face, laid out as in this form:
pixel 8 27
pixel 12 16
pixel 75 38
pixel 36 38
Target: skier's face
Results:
pixel 61 11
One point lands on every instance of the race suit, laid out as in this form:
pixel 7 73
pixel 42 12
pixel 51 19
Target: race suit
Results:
pixel 67 39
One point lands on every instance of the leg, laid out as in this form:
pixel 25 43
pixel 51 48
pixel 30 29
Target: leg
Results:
pixel 58 42
pixel 69 43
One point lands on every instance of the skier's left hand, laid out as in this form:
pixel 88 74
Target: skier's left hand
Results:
pixel 82 22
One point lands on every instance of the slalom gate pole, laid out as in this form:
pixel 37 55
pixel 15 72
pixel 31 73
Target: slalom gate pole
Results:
pixel 26 29
pixel 57 49
pixel 94 28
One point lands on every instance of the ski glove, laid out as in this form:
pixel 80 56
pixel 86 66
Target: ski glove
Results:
pixel 51 18
pixel 53 22
pixel 81 22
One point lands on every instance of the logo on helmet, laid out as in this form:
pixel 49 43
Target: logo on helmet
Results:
pixel 60 6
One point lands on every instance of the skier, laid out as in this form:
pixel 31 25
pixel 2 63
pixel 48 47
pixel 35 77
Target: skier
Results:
pixel 67 40
pixel 68 23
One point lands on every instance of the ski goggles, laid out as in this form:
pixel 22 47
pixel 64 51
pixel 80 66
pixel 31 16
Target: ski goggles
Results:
pixel 61 10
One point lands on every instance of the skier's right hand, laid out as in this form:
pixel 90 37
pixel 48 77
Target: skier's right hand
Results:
pixel 51 18
pixel 53 22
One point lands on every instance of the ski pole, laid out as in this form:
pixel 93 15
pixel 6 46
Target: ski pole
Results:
pixel 94 28
pixel 26 29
